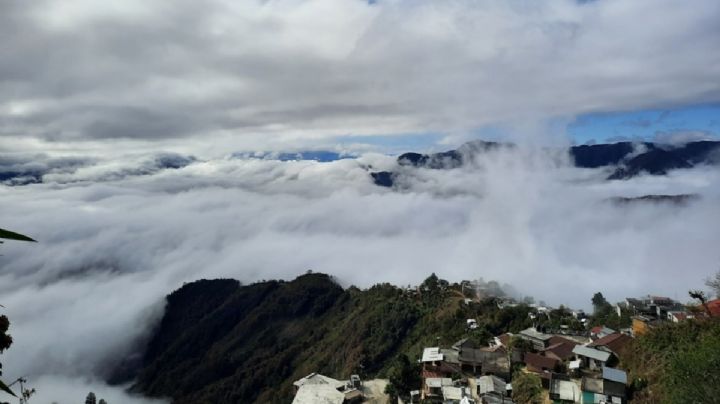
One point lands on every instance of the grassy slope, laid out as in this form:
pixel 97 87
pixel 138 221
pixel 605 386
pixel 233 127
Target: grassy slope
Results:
pixel 676 363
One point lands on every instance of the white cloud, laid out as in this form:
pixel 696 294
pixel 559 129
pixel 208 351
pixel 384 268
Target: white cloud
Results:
pixel 110 250
pixel 261 74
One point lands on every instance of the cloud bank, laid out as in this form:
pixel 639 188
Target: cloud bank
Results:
pixel 111 246
pixel 266 74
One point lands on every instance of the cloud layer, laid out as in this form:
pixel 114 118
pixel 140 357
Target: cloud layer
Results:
pixel 91 93
pixel 261 74
pixel 111 246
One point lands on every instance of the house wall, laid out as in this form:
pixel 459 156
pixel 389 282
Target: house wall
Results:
pixel 591 398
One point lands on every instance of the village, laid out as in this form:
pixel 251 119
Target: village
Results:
pixel 567 361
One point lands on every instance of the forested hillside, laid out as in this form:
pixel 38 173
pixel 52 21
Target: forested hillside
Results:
pixel 223 342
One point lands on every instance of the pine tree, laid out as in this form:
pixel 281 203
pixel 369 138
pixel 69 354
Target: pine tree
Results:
pixel 91 399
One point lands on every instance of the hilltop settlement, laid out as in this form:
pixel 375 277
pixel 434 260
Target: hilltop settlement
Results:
pixel 564 361
pixel 311 341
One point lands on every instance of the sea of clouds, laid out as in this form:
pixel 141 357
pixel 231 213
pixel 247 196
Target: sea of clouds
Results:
pixel 117 234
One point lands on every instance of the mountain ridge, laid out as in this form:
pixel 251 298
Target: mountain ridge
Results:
pixel 626 159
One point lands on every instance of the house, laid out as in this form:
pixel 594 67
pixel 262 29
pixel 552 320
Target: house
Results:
pixel 642 324
pixel 491 385
pixel 613 343
pixel 318 379
pixel 540 364
pixel 592 358
pixel 652 306
pixel 713 306
pixel 503 340
pixel 481 361
pixel 679 316
pixel 316 388
pixel 456 395
pixel 614 383
pixel 438 362
pixel 464 343
pixel 432 355
pixel 496 400
pixel 537 338
pixel 592 391
pixel 468 357
pixel 562 390
pixel 610 388
pixel 634 306
pixel 560 348
pixel 433 387
pixel 574 368
pixel 600 331
pixel 318 394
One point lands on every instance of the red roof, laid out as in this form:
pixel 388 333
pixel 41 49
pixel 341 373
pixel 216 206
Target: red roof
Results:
pixel 556 339
pixel 596 329
pixel 538 363
pixel 714 307
pixel 560 350
pixel 505 339
pixel 614 342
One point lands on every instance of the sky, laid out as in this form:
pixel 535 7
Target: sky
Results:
pixel 128 131
pixel 697 122
pixel 214 77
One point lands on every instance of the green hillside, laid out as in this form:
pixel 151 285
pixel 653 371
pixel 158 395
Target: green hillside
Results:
pixel 676 363
pixel 223 342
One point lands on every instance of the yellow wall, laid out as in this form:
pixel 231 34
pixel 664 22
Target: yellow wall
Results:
pixel 639 327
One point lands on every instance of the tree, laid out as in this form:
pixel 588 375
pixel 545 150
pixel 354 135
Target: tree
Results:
pixel 404 377
pixel 599 302
pixel 102 401
pixel 5 338
pixel 91 399
pixel 520 344
pixel 702 297
pixel 433 288
pixel 527 388
pixel 714 284
pixel 5 342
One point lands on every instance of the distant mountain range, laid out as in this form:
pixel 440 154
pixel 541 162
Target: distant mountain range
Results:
pixel 625 159
pixel 321 156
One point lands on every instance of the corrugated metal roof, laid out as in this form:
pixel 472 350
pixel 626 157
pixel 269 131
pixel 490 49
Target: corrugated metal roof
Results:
pixel 496 400
pixel 490 384
pixel 432 354
pixel 591 353
pixel 615 375
pixel 318 394
pixel 533 333
pixel 316 378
